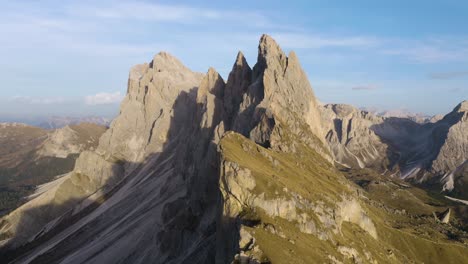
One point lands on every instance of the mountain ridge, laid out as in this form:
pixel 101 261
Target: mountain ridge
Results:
pixel 191 173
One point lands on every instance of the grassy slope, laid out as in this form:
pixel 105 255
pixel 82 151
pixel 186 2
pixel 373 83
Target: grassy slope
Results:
pixel 307 174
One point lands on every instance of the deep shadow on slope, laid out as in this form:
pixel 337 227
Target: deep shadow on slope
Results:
pixel 20 181
pixel 413 145
pixel 188 221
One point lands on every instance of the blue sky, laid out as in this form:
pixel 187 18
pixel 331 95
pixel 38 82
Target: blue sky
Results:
pixel 72 57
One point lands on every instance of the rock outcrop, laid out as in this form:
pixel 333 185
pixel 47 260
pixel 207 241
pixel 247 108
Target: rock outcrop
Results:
pixel 71 140
pixel 454 151
pixel 279 93
pixel 352 141
pixel 452 159
pixel 443 217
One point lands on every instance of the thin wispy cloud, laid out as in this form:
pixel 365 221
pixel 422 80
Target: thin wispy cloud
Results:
pixel 156 12
pixel 314 41
pixel 455 90
pixel 364 87
pixel 429 51
pixel 448 75
pixel 104 98
pixel 83 27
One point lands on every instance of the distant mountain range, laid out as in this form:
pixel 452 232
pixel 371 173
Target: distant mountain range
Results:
pixel 54 122
pixel 404 113
pixel 60 121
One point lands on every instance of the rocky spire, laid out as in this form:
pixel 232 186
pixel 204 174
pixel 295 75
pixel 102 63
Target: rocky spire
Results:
pixel 286 89
pixel 210 99
pixel 164 61
pixel 270 54
pixel 462 107
pixel 237 84
pixel 212 83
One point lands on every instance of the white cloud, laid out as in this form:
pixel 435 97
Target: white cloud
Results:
pixel 104 98
pixel 313 41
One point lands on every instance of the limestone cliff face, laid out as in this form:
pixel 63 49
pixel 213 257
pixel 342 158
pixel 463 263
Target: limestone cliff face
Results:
pixel 144 120
pixel 350 137
pixel 279 93
pixel 433 152
pixel 452 159
pixel 454 151
pixel 427 152
pixel 287 90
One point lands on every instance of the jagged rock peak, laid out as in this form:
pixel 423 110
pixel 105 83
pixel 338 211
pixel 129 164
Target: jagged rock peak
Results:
pixel 342 110
pixel 462 107
pixel 237 84
pixel 240 72
pixel 240 68
pixel 269 52
pixel 240 60
pixel 268 46
pixel 212 83
pixel 137 71
pixel 163 61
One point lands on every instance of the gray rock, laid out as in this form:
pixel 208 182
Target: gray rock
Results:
pixel 349 135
